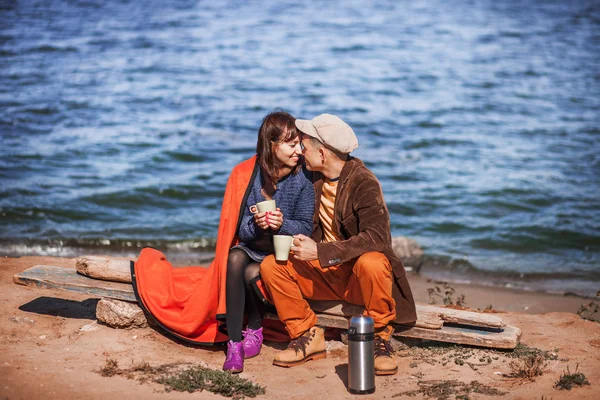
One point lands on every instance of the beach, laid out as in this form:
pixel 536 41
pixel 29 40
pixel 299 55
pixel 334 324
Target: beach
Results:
pixel 120 123
pixel 53 348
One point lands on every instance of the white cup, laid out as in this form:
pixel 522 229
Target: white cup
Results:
pixel 267 205
pixel 282 244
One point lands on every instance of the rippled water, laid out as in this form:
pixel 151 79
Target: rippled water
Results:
pixel 120 121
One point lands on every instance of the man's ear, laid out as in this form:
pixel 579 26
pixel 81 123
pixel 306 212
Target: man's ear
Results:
pixel 322 153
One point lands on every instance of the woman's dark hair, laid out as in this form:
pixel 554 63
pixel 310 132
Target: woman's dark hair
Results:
pixel 277 126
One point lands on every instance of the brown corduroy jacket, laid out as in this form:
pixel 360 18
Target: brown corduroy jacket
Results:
pixel 362 219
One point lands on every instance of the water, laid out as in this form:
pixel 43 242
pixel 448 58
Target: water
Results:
pixel 120 122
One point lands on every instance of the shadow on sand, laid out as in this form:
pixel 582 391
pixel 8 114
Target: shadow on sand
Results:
pixel 85 309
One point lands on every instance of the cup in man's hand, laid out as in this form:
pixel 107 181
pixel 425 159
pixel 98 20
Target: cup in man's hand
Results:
pixel 282 244
pixel 267 205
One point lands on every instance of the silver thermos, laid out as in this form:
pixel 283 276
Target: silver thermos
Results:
pixel 361 357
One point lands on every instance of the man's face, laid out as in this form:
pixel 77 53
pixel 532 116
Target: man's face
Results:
pixel 312 158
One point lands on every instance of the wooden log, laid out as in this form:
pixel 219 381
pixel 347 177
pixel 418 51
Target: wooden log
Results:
pixel 50 277
pixel 113 268
pixel 105 268
pixel 463 317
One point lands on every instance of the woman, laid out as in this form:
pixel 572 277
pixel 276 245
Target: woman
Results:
pixel 281 179
pixel 194 304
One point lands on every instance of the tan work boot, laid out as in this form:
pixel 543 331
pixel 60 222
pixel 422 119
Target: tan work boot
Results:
pixel 385 363
pixel 308 346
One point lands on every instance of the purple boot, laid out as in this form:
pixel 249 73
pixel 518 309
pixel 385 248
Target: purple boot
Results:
pixel 252 342
pixel 234 362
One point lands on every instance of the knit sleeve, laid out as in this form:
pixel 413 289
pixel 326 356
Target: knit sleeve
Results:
pixel 247 231
pixel 301 219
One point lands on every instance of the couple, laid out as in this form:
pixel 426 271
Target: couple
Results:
pixel 341 248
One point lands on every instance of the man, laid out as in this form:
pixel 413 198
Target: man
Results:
pixel 349 256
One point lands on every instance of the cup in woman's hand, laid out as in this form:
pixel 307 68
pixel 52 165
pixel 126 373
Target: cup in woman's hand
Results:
pixel 282 244
pixel 267 205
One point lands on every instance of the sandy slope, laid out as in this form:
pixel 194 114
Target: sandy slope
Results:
pixel 44 353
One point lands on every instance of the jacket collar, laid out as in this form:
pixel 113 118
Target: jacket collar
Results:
pixel 349 166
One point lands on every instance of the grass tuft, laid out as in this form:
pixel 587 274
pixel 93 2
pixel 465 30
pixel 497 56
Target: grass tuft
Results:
pixel 192 379
pixel 446 295
pixel 220 382
pixel 443 390
pixel 528 368
pixel 523 351
pixel 436 353
pixel 111 368
pixel 568 380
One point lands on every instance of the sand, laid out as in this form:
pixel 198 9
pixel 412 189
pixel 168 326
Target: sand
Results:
pixel 52 347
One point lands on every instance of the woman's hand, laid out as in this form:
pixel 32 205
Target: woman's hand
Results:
pixel 275 219
pixel 262 220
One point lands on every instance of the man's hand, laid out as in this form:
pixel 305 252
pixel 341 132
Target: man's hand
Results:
pixel 304 248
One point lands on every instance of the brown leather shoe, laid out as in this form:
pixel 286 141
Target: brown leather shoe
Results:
pixel 385 363
pixel 308 346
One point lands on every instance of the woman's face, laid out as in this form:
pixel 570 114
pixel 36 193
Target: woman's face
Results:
pixel 288 153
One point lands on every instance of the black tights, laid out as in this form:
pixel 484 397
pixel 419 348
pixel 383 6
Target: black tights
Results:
pixel 240 296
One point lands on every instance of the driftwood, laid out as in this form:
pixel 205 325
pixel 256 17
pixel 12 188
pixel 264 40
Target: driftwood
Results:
pixel 107 269
pixel 478 329
pixel 428 317
pixel 50 277
pixel 505 338
pixel 117 270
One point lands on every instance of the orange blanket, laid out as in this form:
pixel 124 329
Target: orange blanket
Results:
pixel 189 302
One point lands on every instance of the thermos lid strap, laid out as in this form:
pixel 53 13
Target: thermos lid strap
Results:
pixel 361 337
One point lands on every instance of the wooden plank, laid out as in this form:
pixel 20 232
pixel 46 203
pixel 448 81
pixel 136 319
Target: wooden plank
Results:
pixel 105 268
pixel 50 277
pixel 425 319
pixel 504 338
pixel 429 317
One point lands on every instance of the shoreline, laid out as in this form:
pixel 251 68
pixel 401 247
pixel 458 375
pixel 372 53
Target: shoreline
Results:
pixel 435 267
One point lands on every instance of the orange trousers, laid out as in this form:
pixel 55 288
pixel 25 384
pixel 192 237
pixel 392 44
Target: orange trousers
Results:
pixel 368 281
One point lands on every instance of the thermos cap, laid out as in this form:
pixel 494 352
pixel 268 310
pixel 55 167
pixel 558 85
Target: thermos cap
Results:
pixel 361 324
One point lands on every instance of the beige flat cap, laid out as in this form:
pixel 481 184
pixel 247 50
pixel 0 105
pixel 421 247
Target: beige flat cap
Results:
pixel 330 130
